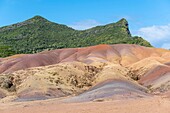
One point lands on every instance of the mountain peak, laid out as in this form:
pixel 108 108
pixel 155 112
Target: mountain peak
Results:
pixel 37 18
pixel 123 22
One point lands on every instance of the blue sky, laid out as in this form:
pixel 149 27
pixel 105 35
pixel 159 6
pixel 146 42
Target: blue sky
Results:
pixel 147 18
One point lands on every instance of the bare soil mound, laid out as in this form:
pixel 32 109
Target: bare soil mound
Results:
pixel 90 73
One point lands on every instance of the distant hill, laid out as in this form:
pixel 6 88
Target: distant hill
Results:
pixel 38 34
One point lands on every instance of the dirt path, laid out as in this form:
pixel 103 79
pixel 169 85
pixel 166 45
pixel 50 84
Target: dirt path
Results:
pixel 145 105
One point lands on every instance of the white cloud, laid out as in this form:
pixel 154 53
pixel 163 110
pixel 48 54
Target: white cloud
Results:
pixel 156 35
pixel 86 24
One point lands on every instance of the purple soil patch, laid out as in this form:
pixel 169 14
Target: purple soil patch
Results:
pixel 109 89
pixel 167 63
pixel 31 95
pixel 2 95
pixel 154 74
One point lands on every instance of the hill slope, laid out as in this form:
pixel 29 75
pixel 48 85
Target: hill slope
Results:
pixel 102 71
pixel 38 34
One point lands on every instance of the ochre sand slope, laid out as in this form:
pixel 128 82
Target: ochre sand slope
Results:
pixel 95 77
pixel 77 71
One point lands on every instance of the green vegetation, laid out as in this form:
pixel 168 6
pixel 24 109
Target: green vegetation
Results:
pixel 38 34
pixel 6 51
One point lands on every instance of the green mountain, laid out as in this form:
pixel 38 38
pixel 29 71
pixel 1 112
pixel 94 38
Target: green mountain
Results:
pixel 38 34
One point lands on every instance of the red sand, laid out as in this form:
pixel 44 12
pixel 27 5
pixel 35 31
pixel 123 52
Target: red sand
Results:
pixel 106 52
